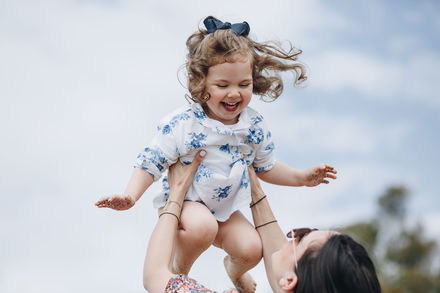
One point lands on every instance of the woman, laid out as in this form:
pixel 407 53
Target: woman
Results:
pixel 315 261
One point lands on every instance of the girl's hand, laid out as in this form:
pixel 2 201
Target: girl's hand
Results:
pixel 318 174
pixel 181 176
pixel 116 202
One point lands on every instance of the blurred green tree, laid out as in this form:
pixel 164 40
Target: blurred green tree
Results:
pixel 402 253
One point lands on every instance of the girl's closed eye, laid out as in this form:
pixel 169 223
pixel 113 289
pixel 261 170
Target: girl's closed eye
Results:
pixel 222 85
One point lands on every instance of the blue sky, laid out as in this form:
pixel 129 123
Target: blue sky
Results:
pixel 82 84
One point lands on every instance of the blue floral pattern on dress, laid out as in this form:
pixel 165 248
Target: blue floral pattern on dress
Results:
pixel 269 147
pixel 154 156
pixel 179 117
pixel 262 169
pixel 165 188
pixel 255 136
pixel 244 181
pixel 237 159
pixel 225 148
pixel 224 131
pixel 231 150
pixel 196 140
pixel 248 158
pixel 222 193
pixel 200 114
pixel 202 172
pixel 257 119
pixel 166 129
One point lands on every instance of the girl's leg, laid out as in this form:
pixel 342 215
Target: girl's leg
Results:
pixel 243 244
pixel 197 231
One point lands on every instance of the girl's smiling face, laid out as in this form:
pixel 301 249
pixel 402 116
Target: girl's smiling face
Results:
pixel 229 86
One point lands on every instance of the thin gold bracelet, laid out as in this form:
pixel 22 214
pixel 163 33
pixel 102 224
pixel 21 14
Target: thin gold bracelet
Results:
pixel 176 202
pixel 267 223
pixel 254 203
pixel 170 213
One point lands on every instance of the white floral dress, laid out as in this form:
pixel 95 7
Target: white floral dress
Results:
pixel 221 181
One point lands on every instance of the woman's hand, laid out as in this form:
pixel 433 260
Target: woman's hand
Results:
pixel 256 188
pixel 116 202
pixel 181 176
pixel 318 174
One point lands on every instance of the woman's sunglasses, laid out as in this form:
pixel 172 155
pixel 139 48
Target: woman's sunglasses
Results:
pixel 298 234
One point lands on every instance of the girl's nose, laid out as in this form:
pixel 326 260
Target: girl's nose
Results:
pixel 234 93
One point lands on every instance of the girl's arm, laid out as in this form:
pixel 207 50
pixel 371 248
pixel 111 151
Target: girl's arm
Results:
pixel 282 174
pixel 139 182
pixel 160 247
pixel 149 165
pixel 270 232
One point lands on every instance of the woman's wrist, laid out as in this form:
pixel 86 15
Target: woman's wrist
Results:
pixel 177 193
pixel 254 202
pixel 172 207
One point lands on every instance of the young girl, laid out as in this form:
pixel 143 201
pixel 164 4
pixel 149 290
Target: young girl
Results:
pixel 225 67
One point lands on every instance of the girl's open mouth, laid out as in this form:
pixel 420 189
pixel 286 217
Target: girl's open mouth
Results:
pixel 230 107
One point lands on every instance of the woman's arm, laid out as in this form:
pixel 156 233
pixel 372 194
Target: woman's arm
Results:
pixel 282 174
pixel 270 232
pixel 160 247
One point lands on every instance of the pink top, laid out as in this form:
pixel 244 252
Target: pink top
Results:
pixel 183 283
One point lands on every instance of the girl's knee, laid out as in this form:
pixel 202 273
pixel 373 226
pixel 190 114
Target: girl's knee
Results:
pixel 253 250
pixel 248 250
pixel 204 232
pixel 198 224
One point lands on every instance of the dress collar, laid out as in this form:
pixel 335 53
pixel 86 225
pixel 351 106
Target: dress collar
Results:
pixel 217 126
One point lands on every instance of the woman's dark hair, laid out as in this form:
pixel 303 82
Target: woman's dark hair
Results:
pixel 341 266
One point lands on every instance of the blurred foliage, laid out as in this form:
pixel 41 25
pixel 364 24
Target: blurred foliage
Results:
pixel 366 233
pixel 393 202
pixel 411 250
pixel 402 253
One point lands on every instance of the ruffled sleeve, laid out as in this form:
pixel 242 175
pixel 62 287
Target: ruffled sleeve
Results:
pixel 261 137
pixel 161 152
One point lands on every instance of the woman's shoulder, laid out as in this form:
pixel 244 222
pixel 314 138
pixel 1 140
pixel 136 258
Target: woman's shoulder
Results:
pixel 182 284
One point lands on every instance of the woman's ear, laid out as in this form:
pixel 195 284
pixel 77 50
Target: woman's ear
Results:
pixel 289 281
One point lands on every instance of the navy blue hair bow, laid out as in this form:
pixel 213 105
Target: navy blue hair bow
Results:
pixel 212 24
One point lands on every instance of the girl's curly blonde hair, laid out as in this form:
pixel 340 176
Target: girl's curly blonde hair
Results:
pixel 268 59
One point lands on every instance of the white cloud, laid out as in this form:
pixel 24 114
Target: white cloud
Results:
pixel 323 131
pixel 416 78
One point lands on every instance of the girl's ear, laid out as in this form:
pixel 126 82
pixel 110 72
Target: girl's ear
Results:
pixel 289 281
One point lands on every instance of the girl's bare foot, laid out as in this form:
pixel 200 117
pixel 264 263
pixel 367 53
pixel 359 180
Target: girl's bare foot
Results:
pixel 244 283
